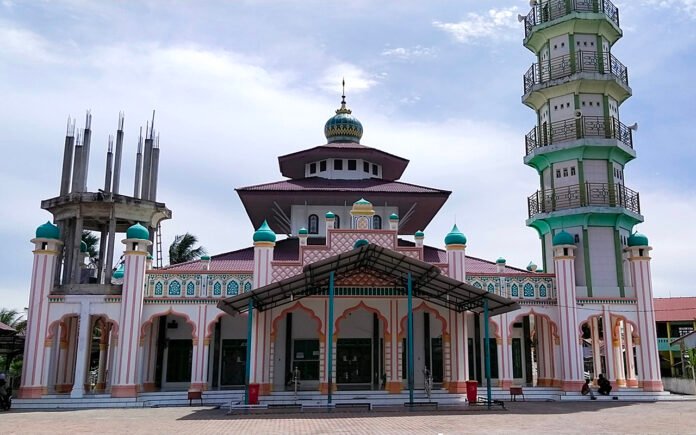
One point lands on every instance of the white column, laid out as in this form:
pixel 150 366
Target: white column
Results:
pixel 34 376
pixel 83 348
pixel 618 355
pixel 608 345
pixel 596 348
pixel 630 360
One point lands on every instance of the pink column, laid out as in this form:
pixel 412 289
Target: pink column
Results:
pixel 639 260
pixel 608 345
pixel 124 383
pixel 199 364
pixel 571 353
pixel 34 376
pixel 504 352
pixel 631 380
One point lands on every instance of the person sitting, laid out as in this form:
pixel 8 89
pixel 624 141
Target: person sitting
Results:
pixel 604 385
pixel 587 389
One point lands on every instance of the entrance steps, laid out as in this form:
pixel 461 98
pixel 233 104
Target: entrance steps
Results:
pixel 225 398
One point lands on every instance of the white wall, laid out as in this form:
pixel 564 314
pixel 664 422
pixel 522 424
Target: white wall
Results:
pixel 562 108
pixel 585 42
pixel 680 385
pixel 300 213
pixel 565 174
pixel 595 171
pixel 591 104
pixel 344 174
pixel 603 262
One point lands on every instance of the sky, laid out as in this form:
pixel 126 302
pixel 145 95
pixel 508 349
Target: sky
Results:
pixel 236 84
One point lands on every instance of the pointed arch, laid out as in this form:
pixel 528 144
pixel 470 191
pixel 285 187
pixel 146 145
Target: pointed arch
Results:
pixel 298 306
pixel 170 311
pixel 428 309
pixel 365 307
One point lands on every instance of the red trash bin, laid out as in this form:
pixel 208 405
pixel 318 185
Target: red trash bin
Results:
pixel 471 391
pixel 253 394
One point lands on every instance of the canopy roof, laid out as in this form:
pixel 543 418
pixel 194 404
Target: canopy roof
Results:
pixel 428 283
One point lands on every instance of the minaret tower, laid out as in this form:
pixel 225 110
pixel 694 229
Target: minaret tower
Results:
pixel 579 146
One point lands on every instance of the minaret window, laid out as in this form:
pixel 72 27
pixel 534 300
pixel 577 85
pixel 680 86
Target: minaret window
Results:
pixel 366 167
pixel 374 169
pixel 376 222
pixel 312 168
pixel 337 222
pixel 352 165
pixel 322 166
pixel 338 165
pixel 313 224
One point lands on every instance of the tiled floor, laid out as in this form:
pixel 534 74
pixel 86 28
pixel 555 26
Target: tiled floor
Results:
pixel 530 417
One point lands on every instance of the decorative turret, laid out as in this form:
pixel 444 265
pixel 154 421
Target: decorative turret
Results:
pixel 362 215
pixel 343 126
pixel 303 234
pixel 205 260
pixel 137 231
pixel 360 243
pixel 48 231
pixel 419 236
pixel 264 244
pixel 500 265
pixel 455 242
pixel 264 235
pixel 330 221
pixel 394 222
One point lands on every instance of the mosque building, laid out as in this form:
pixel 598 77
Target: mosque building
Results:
pixel 344 300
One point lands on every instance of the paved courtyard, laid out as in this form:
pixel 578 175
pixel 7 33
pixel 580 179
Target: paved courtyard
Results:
pixel 531 417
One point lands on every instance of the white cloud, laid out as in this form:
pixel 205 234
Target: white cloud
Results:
pixel 23 44
pixel 497 24
pixel 406 53
pixel 686 6
pixel 357 79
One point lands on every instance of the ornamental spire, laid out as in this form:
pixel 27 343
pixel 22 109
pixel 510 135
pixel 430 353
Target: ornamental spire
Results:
pixel 343 108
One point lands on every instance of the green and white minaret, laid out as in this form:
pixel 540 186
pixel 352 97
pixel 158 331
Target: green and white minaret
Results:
pixel 579 144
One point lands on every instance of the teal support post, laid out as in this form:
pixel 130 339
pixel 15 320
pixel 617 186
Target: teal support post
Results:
pixel 247 374
pixel 487 350
pixel 329 354
pixel 411 371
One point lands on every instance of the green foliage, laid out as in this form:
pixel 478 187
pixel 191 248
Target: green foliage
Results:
pixel 182 249
pixel 13 318
pixel 690 361
pixel 92 242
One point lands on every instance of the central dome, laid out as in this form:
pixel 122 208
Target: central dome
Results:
pixel 343 126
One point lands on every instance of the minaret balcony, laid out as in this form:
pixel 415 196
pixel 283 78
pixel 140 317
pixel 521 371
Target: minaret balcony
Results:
pixel 560 70
pixel 547 11
pixel 571 130
pixel 583 195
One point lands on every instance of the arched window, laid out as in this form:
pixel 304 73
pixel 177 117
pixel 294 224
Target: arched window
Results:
pixel 313 224
pixel 174 288
pixel 491 288
pixel 337 222
pixel 190 289
pixel 376 222
pixel 528 290
pixel 514 291
pixel 232 288
pixel 158 289
pixel 247 286
pixel 217 289
pixel 478 285
pixel 542 291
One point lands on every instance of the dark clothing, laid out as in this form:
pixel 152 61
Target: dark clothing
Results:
pixel 604 386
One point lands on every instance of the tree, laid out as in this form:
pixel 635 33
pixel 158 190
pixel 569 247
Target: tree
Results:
pixel 14 319
pixel 92 242
pixel 690 361
pixel 182 249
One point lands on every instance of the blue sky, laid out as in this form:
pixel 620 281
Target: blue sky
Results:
pixel 235 84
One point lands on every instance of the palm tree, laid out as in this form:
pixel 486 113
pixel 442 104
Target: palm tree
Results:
pixel 182 249
pixel 92 242
pixel 14 319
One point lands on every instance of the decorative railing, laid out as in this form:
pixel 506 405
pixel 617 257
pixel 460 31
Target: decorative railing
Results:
pixel 663 345
pixel 573 63
pixel 583 195
pixel 578 128
pixel 549 10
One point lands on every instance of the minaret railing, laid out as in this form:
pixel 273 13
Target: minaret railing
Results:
pixel 578 128
pixel 595 194
pixel 585 61
pixel 550 10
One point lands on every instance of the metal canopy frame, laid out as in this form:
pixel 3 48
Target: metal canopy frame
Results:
pixel 428 283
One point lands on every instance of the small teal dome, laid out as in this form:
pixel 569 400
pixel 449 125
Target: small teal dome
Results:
pixel 419 234
pixel 455 237
pixel 540 270
pixel 303 231
pixel 330 215
pixel 563 238
pixel 149 256
pixel 531 266
pixel 137 231
pixel 119 272
pixel 362 201
pixel 393 217
pixel 637 239
pixel 343 126
pixel 264 234
pixel 83 246
pixel 205 257
pixel 500 260
pixel 48 231
pixel 360 243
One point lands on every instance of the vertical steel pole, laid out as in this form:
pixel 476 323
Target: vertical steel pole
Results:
pixel 487 350
pixel 329 352
pixel 247 375
pixel 410 339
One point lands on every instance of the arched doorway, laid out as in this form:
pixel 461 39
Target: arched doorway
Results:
pixel 167 352
pixel 360 349
pixel 227 361
pixel 429 331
